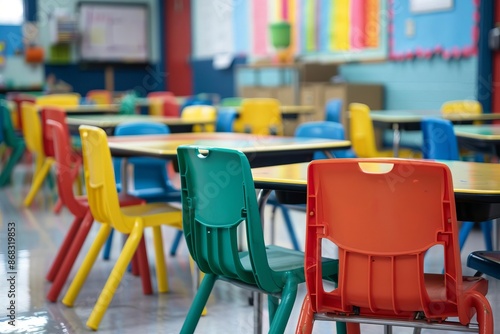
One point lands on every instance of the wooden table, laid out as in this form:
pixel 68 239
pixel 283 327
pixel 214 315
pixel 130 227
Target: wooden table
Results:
pixel 399 120
pixel 476 185
pixel 260 150
pixel 480 138
pixel 110 122
pixel 289 112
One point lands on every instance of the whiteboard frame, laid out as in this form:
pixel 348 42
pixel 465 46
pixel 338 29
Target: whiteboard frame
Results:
pixel 106 62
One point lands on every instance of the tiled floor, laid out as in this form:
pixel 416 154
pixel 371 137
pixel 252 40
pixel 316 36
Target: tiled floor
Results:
pixel 38 235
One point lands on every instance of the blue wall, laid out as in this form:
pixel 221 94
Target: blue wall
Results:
pixel 206 79
pixel 419 83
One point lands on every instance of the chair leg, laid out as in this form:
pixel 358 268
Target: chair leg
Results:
pixel 116 275
pixel 161 268
pixel 58 206
pixel 70 258
pixel 107 248
pixel 15 156
pixel 175 244
pixel 464 233
pixel 38 179
pixel 487 228
pixel 306 318
pixel 63 250
pixel 284 309
pixel 143 264
pixel 198 304
pixel 88 262
pixel 272 306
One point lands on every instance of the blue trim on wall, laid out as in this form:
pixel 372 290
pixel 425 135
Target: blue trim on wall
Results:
pixel 30 10
pixel 206 79
pixel 485 55
pixel 140 79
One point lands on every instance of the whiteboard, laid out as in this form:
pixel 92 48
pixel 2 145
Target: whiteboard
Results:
pixel 113 32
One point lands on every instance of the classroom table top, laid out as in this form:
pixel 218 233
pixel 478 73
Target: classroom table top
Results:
pixel 476 186
pixel 487 132
pixel 110 122
pixel 261 150
pixel 416 116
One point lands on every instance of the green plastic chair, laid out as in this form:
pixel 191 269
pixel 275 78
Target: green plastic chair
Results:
pixel 218 195
pixel 127 105
pixel 12 140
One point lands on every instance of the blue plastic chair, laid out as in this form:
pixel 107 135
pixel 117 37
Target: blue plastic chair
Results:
pixel 195 101
pixel 440 143
pixel 333 110
pixel 151 181
pixel 324 129
pixel 225 119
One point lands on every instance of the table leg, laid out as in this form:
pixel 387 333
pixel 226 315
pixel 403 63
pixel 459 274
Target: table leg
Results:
pixel 395 140
pixel 257 297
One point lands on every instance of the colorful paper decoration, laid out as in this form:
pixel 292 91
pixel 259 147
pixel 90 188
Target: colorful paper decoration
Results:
pixel 341 21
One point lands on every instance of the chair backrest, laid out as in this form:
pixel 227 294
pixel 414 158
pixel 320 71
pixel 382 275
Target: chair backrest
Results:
pixel 100 179
pixel 382 245
pixel 128 105
pixel 55 132
pixel 231 101
pixel 218 195
pixel 225 119
pixel 163 105
pixel 163 94
pixel 9 133
pixel 333 110
pixel 362 135
pixel 148 172
pixel 32 128
pixel 321 129
pixel 18 99
pixel 58 100
pixel 195 101
pixel 260 116
pixel 461 107
pixel 100 96
pixel 201 112
pixel 439 138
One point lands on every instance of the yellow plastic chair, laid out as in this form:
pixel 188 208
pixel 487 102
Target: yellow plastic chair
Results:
pixel 260 116
pixel 99 96
pixel 201 112
pixel 362 135
pixel 132 220
pixel 32 131
pixel 58 100
pixel 462 107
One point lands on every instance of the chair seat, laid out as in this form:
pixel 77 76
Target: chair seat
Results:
pixel 152 213
pixel 487 262
pixel 285 259
pixel 409 139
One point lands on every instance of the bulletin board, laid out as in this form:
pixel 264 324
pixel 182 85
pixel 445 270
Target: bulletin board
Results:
pixel 450 30
pixel 114 32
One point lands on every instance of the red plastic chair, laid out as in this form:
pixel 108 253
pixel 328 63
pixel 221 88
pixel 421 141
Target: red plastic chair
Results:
pixel 163 104
pixel 384 215
pixel 56 131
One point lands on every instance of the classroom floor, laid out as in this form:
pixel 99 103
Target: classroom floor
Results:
pixel 39 233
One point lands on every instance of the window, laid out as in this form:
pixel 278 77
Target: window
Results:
pixel 11 12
